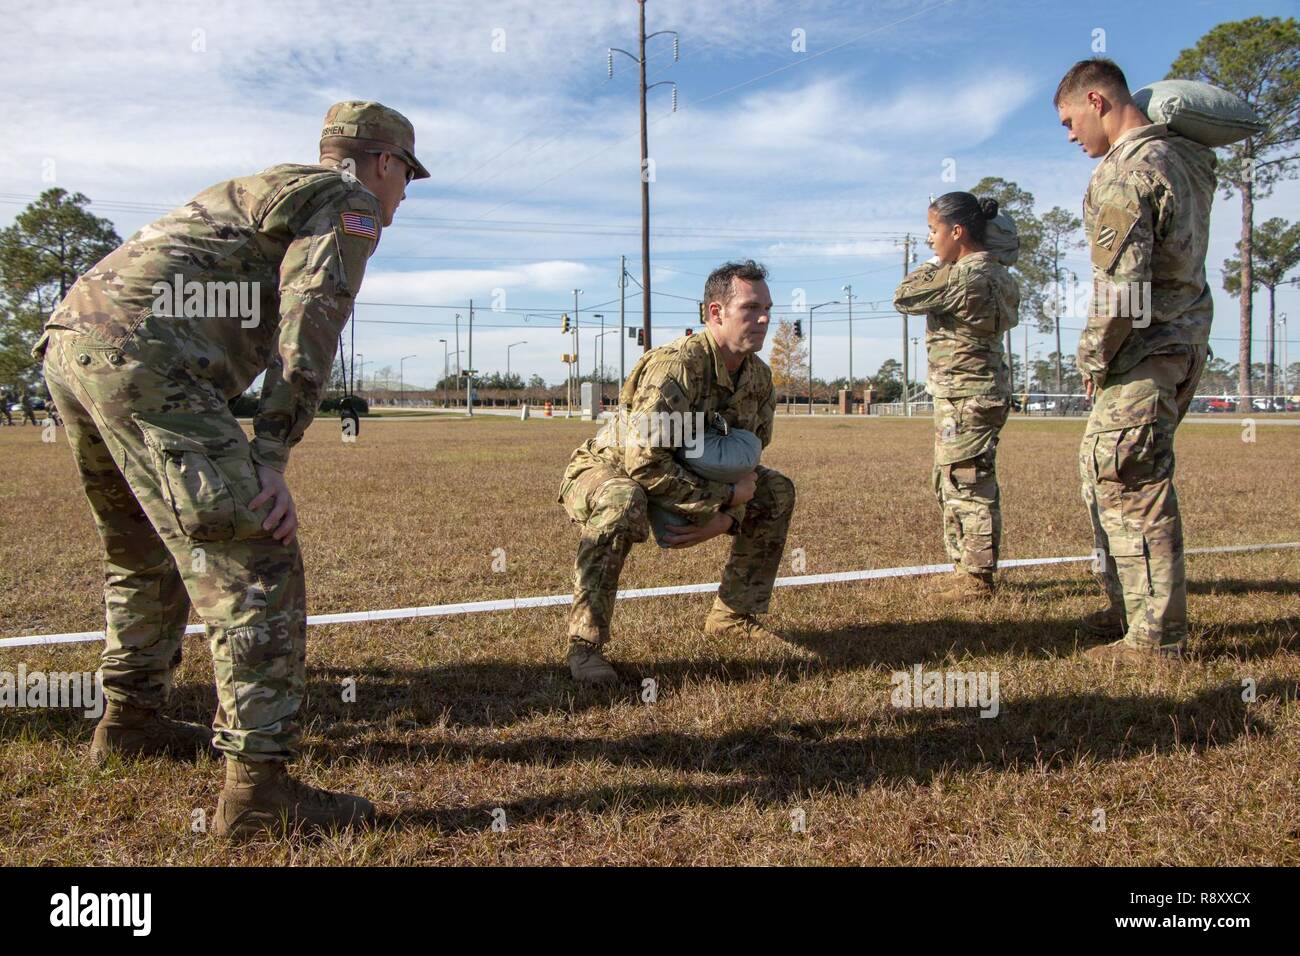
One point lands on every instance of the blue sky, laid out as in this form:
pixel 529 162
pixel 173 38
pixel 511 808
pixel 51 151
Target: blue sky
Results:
pixel 813 162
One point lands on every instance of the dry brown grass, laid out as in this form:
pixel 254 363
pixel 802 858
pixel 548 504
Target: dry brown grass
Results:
pixel 458 716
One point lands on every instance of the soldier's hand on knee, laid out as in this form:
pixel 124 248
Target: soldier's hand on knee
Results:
pixel 684 536
pixel 744 490
pixel 282 522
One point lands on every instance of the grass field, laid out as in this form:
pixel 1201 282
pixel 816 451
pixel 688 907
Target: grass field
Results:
pixel 456 717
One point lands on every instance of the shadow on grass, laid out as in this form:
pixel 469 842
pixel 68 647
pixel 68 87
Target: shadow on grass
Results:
pixel 783 761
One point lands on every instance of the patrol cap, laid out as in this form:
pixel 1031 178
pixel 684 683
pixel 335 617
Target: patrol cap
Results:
pixel 375 124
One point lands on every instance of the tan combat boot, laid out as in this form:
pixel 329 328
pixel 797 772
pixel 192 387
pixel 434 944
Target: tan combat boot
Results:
pixel 1122 652
pixel 143 732
pixel 588 664
pixel 724 622
pixel 962 586
pixel 1106 623
pixel 262 797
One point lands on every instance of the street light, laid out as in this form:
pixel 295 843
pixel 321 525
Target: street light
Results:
pixel 811 310
pixel 401 376
pixel 362 363
pixel 1286 388
pixel 597 315
pixel 599 377
pixel 576 343
pixel 508 348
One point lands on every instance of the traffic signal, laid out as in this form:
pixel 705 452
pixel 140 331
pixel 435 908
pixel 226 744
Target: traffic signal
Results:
pixel 564 322
pixel 701 313
pixel 690 332
pixel 640 337
pixel 798 328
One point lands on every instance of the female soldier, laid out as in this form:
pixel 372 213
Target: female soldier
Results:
pixel 969 300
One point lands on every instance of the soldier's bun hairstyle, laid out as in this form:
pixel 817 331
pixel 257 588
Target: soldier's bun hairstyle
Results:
pixel 963 209
pixel 718 287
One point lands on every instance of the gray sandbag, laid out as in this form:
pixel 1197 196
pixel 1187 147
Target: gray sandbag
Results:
pixel 1002 240
pixel 1202 112
pixel 722 457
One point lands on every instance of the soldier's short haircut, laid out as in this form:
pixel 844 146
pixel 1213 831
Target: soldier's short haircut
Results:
pixel 718 287
pixel 1095 72
pixel 340 148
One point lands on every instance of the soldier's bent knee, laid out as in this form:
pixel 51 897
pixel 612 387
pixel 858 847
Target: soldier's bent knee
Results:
pixel 619 507
pixel 777 492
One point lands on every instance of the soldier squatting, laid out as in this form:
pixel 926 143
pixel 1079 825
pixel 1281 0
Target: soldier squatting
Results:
pixel 167 469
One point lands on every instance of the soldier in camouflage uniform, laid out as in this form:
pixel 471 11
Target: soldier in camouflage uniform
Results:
pixel 257 274
pixel 611 479
pixel 1147 219
pixel 969 300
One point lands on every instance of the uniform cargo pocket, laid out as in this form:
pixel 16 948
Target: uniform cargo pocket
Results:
pixel 194 486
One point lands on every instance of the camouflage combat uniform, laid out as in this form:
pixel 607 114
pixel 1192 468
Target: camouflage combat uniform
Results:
pixel 611 478
pixel 143 383
pixel 969 305
pixel 1147 219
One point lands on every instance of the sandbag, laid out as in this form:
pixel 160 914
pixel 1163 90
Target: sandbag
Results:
pixel 1202 112
pixel 722 458
pixel 1002 240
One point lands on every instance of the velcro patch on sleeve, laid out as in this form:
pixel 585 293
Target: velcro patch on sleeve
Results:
pixel 1114 223
pixel 360 224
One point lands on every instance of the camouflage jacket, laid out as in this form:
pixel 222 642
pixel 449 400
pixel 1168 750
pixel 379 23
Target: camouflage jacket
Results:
pixel 968 305
pixel 684 377
pixel 1147 218
pixel 254 274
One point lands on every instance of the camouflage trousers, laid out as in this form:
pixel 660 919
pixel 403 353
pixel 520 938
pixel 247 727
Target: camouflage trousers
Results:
pixel 612 511
pixel 965 478
pixel 1126 464
pixel 169 477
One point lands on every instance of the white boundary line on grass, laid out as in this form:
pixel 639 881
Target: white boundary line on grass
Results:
pixel 548 600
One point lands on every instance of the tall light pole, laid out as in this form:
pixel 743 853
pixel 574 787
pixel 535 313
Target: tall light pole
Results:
pixel 600 373
pixel 908 257
pixel 444 372
pixel 401 376
pixel 458 346
pixel 508 348
pixel 811 310
pixel 600 376
pixel 622 338
pixel 576 341
pixel 362 386
pixel 1286 387
pixel 915 366
pixel 469 359
pixel 848 294
pixel 645 156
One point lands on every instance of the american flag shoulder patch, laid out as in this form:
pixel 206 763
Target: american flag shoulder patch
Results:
pixel 360 224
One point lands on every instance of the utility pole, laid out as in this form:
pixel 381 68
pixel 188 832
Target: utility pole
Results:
pixel 622 335
pixel 907 262
pixel 469 377
pixel 458 345
pixel 639 59
pixel 599 379
pixel 444 372
pixel 848 292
